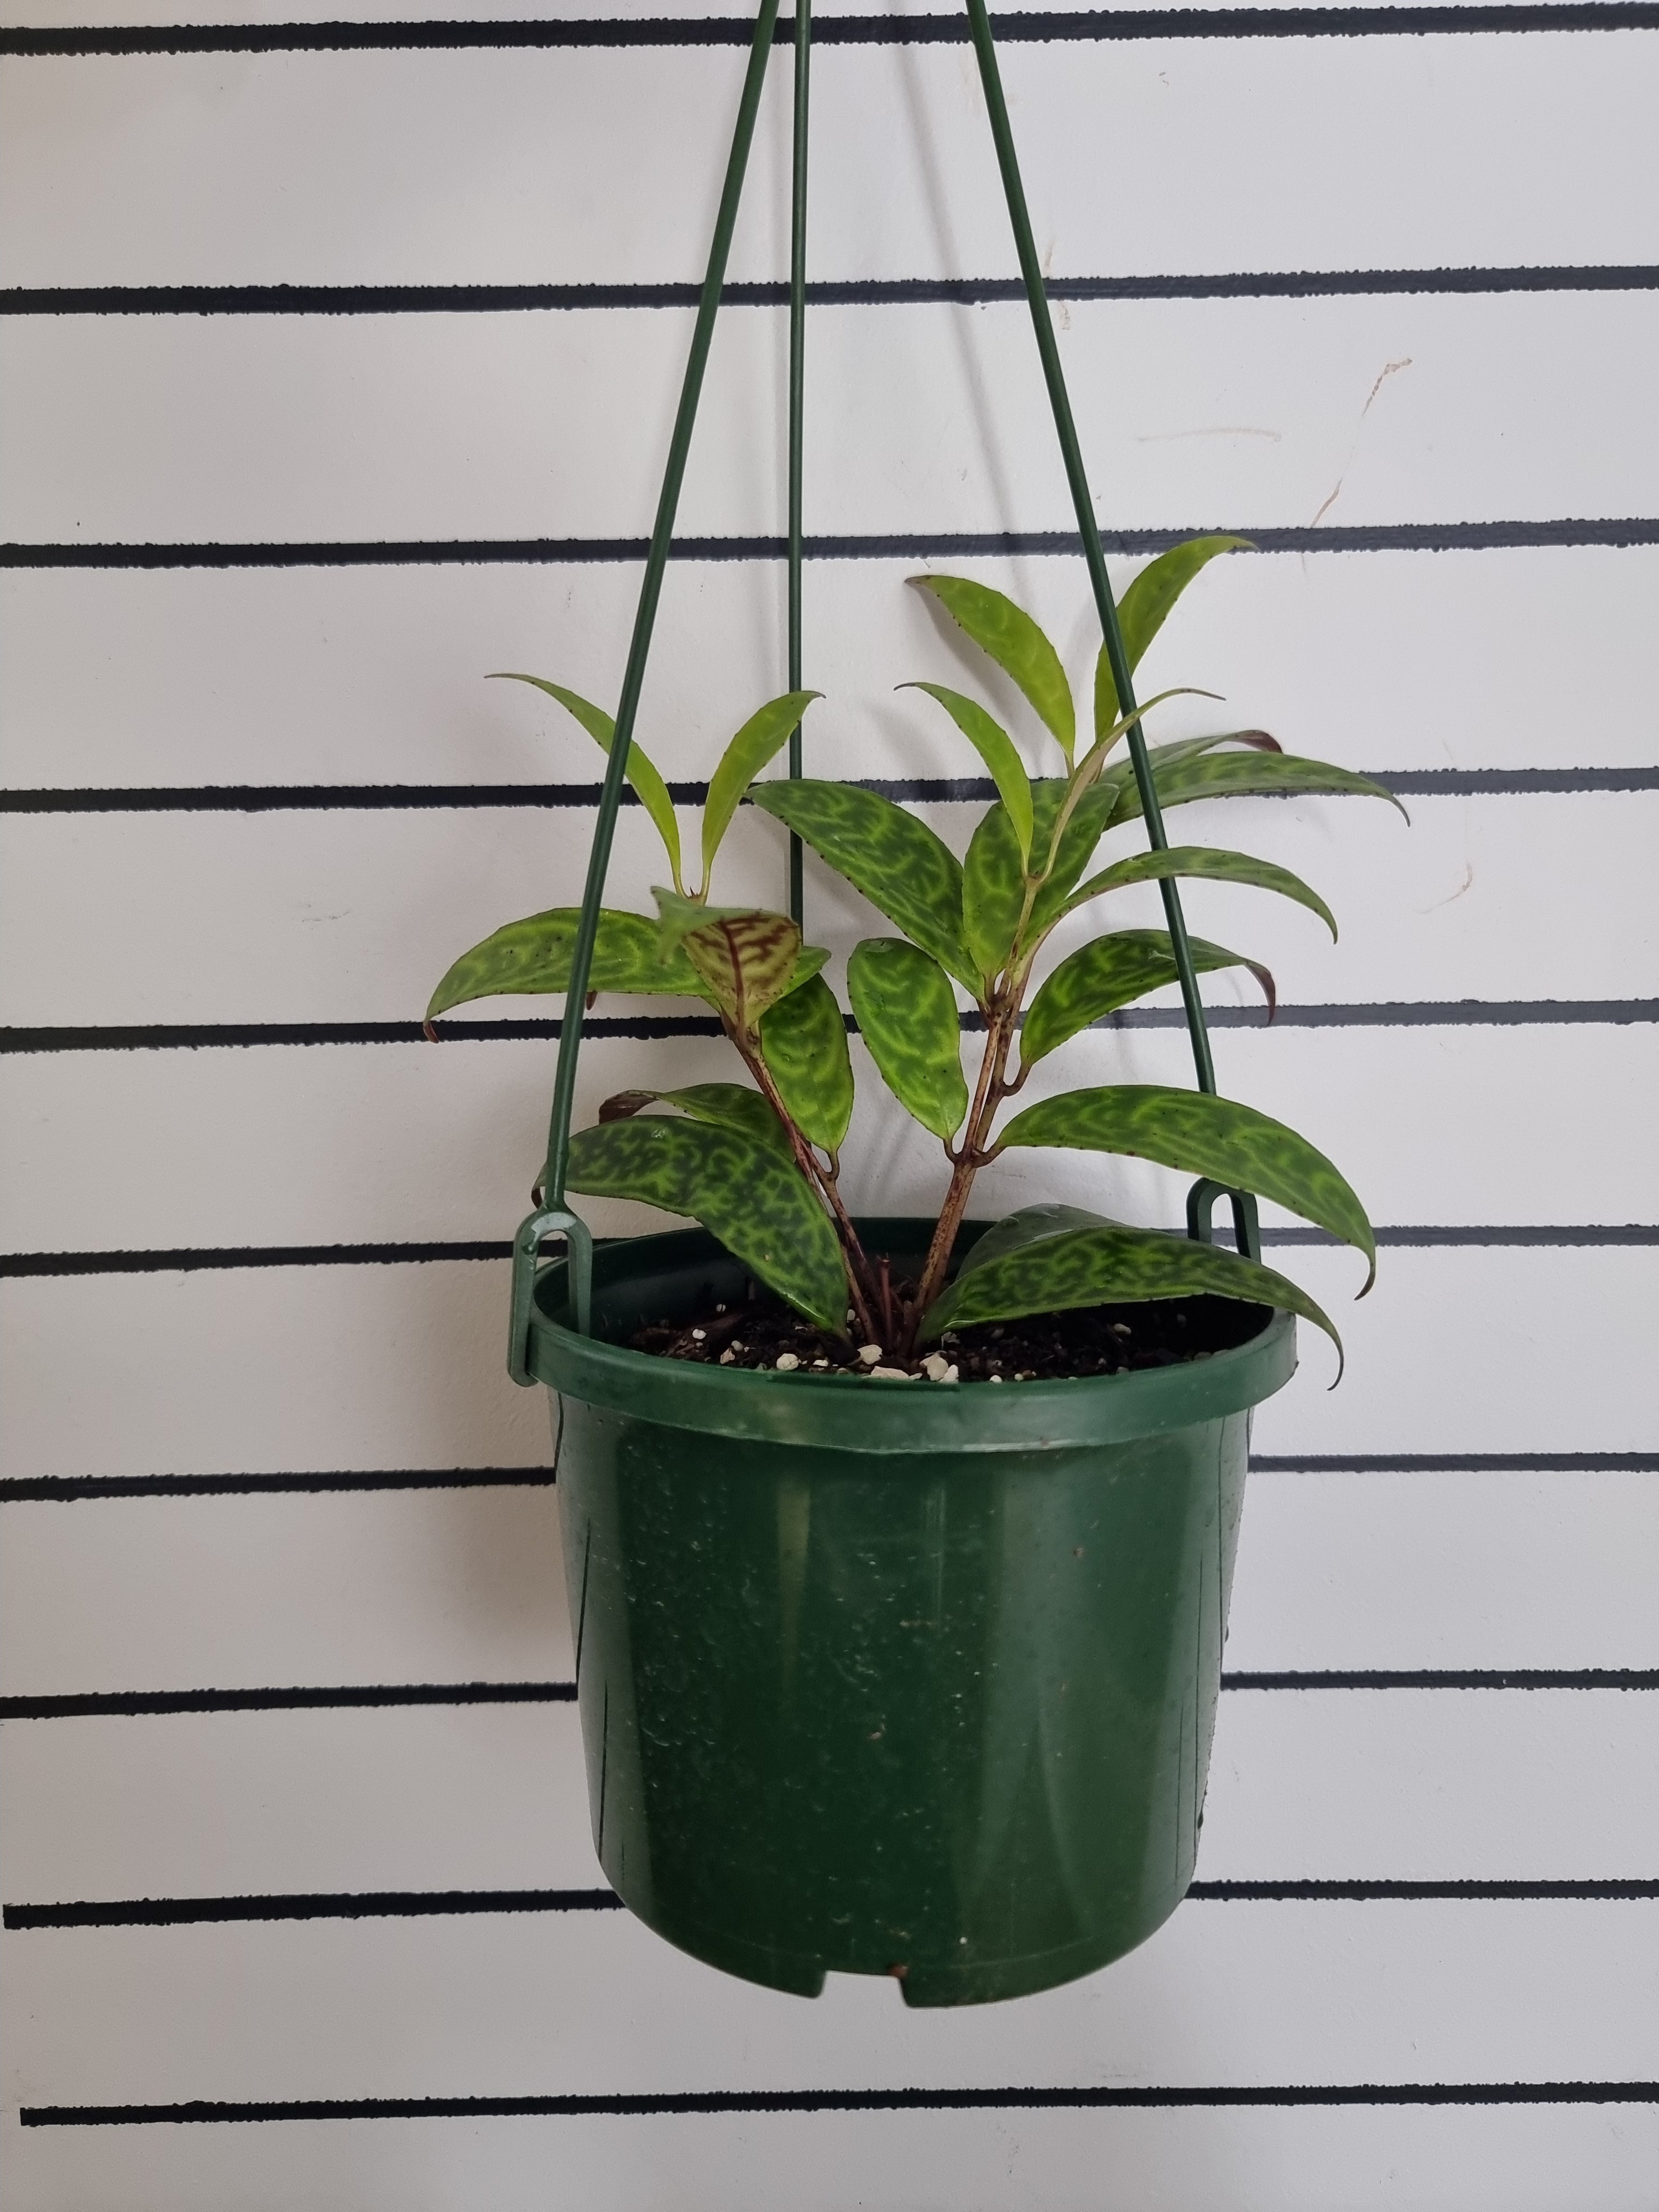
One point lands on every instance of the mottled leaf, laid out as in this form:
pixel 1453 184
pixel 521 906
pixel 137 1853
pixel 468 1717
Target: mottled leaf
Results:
pixel 730 1105
pixel 1081 834
pixel 1111 1265
pixel 1026 1227
pixel 1111 972
pixel 1202 1136
pixel 648 787
pixel 804 1044
pixel 996 749
pixel 760 1208
pixel 907 1017
pixel 896 862
pixel 1140 613
pixel 534 955
pixel 761 737
pixel 1209 774
pixel 993 891
pixel 1211 864
pixel 1015 643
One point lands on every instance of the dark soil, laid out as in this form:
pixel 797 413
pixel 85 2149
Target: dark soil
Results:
pixel 1042 1347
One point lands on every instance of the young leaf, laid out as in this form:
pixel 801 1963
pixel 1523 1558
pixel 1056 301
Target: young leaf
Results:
pixel 996 749
pixel 1144 606
pixel 896 860
pixel 746 957
pixel 1212 774
pixel 907 1017
pixel 992 892
pixel 1081 834
pixel 762 1210
pixel 649 787
pixel 804 1044
pixel 1210 863
pixel 1015 644
pixel 534 955
pixel 1110 1266
pixel 761 737
pixel 1111 972
pixel 729 1105
pixel 1205 1136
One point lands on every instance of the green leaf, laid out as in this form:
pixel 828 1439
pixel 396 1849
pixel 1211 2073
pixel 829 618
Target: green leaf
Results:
pixel 1081 835
pixel 648 787
pixel 1111 972
pixel 760 1209
pixel 746 956
pixel 1204 1136
pixel 992 892
pixel 907 1017
pixel 1212 865
pixel 804 1044
pixel 1014 1231
pixel 1253 774
pixel 761 737
pixel 896 860
pixel 729 1105
pixel 1144 606
pixel 996 749
pixel 1015 643
pixel 1111 1265
pixel 534 955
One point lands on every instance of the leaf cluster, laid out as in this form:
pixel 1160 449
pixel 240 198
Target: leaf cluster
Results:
pixel 758 1164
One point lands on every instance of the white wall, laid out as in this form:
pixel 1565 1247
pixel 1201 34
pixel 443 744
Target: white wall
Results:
pixel 262 1463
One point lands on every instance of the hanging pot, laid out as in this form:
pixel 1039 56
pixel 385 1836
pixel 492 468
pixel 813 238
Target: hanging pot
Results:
pixel 876 1678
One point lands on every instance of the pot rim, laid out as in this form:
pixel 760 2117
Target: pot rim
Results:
pixel 841 1413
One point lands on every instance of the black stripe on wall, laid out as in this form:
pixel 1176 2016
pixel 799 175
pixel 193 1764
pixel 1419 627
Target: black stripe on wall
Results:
pixel 1025 26
pixel 1145 2097
pixel 192 1259
pixel 937 790
pixel 400 1904
pixel 1423 1014
pixel 142 1703
pixel 1381 538
pixel 856 292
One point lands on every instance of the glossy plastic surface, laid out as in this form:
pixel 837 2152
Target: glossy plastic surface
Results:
pixel 939 1713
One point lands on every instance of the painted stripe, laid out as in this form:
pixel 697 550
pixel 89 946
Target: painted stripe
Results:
pixel 1085 27
pixel 1381 538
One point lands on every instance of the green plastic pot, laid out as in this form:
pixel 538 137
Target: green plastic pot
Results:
pixel 883 1678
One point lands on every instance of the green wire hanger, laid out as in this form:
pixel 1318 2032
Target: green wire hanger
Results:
pixel 554 1217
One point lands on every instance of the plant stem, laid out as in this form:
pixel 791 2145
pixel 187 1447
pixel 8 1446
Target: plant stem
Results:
pixel 988 1094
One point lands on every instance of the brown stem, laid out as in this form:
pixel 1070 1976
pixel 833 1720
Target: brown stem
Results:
pixel 987 1096
pixel 859 1281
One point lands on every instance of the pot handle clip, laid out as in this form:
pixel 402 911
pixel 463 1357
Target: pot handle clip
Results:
pixel 549 1221
pixel 1201 1205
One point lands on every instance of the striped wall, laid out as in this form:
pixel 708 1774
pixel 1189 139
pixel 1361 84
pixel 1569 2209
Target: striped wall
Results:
pixel 338 360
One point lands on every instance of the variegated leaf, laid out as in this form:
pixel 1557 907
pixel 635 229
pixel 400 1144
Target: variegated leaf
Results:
pixel 1013 640
pixel 1202 1136
pixel 760 1208
pixel 804 1044
pixel 1111 1265
pixel 534 955
pixel 1209 774
pixel 907 1017
pixel 896 860
pixel 762 736
pixel 1112 972
pixel 1141 612
pixel 992 892
pixel 1208 863
pixel 729 1105
pixel 648 787
pixel 996 749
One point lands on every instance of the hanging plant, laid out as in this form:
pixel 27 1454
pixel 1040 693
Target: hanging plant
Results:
pixel 759 1164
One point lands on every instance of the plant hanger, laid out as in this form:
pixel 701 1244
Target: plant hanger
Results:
pixel 553 1216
